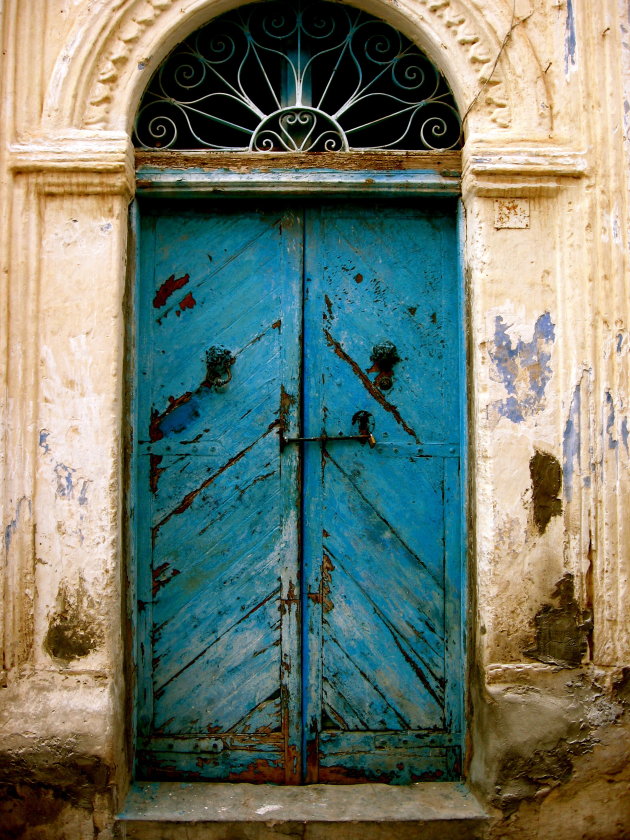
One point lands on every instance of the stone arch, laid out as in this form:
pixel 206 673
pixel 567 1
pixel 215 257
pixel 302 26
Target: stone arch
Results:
pixel 488 61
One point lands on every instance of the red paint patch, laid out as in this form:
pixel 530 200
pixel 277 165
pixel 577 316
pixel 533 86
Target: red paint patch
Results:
pixel 188 302
pixel 168 288
pixel 155 472
pixel 159 581
pixel 358 278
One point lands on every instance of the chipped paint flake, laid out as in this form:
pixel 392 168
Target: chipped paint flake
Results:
pixel 12 527
pixel 570 43
pixel 43 440
pixel 65 482
pixel 571 442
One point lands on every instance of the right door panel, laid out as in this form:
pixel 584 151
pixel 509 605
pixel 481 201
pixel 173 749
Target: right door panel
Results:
pixel 382 535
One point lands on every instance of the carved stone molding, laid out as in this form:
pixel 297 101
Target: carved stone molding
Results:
pixel 97 163
pixel 457 24
pixel 525 171
pixel 108 62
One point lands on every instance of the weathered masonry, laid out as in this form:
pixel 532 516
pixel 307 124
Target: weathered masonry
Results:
pixel 316 419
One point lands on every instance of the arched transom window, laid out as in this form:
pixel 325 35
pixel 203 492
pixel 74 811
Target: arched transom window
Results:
pixel 306 76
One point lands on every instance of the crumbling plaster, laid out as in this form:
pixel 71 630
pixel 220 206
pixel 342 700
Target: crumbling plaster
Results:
pixel 540 83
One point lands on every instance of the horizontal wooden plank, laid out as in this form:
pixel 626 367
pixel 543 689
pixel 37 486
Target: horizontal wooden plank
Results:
pixel 444 162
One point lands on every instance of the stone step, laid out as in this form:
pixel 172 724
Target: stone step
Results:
pixel 201 811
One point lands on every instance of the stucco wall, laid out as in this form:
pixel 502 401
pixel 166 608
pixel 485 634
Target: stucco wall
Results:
pixel 544 86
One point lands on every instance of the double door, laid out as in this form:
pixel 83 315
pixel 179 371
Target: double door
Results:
pixel 299 601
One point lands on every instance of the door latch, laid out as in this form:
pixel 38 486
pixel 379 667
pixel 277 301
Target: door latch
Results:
pixel 362 419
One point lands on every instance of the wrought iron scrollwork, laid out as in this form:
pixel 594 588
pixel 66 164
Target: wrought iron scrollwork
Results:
pixel 297 76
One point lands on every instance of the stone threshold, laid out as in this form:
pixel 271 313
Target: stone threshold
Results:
pixel 198 810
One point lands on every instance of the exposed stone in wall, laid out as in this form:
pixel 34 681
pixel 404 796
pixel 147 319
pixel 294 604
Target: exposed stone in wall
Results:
pixel 561 776
pixel 73 629
pixel 562 630
pixel 546 475
pixel 55 792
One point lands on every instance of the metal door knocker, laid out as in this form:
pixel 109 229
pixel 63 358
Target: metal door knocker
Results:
pixel 219 361
pixel 383 357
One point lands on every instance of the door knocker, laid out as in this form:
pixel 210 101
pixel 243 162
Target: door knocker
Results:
pixel 219 361
pixel 383 357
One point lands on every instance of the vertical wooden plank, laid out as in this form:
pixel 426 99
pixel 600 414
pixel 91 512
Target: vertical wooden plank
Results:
pixel 145 280
pixel 289 416
pixel 314 571
pixel 453 653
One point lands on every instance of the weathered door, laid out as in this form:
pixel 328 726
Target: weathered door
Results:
pixel 299 601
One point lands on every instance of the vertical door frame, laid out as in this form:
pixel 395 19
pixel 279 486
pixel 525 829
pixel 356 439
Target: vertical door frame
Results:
pixel 161 183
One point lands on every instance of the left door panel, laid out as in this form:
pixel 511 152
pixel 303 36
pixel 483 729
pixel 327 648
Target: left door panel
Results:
pixel 216 517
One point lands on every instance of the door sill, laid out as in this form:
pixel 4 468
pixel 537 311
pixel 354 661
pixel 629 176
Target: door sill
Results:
pixel 201 810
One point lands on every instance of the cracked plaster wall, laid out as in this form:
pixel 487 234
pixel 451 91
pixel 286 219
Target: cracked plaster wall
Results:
pixel 545 85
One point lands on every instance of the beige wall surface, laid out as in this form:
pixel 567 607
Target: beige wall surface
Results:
pixel 545 89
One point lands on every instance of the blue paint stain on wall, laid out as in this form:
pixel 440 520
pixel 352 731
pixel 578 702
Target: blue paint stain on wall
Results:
pixel 569 38
pixel 13 524
pixel 571 442
pixel 610 422
pixel 523 367
pixel 43 440
pixel 624 432
pixel 83 494
pixel 619 342
pixel 65 484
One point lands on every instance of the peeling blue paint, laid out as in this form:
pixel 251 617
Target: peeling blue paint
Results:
pixel 624 432
pixel 610 422
pixel 13 524
pixel 83 493
pixel 569 39
pixel 619 342
pixel 43 440
pixel 571 442
pixel 524 368
pixel 65 484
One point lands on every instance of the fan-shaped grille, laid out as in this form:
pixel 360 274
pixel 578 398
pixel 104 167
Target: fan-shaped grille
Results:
pixel 303 76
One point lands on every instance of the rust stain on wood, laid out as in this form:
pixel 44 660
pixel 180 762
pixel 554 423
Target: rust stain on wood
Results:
pixel 327 570
pixel 369 386
pixel 259 772
pixel 158 580
pixel 190 497
pixel 155 471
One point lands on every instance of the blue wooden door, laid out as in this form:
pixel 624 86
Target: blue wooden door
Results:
pixel 299 600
